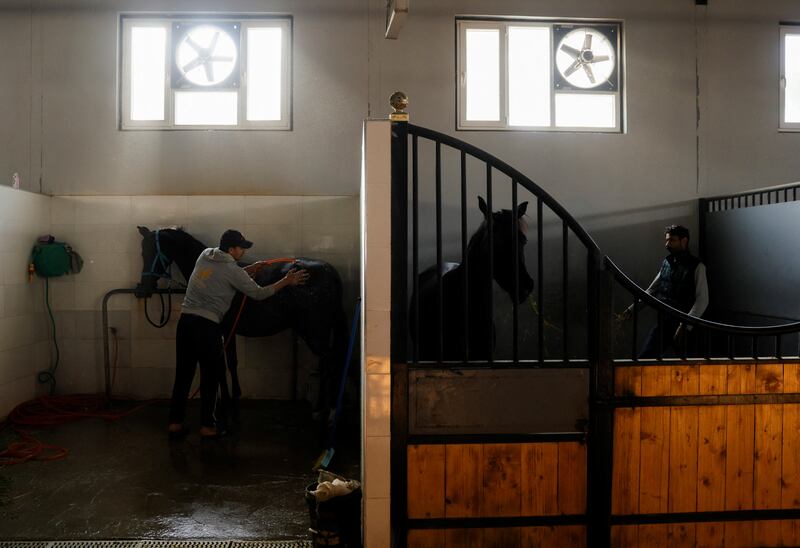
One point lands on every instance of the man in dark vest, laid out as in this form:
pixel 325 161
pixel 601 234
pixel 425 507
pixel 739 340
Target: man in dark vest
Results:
pixel 681 283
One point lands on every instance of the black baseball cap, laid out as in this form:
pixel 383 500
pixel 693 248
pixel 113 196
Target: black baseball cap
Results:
pixel 233 238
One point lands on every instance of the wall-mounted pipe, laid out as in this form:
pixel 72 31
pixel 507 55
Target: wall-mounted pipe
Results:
pixel 129 291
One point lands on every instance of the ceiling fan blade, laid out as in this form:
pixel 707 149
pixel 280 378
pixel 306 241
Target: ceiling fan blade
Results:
pixel 570 50
pixel 194 63
pixel 222 59
pixel 589 73
pixel 573 67
pixel 599 59
pixel 209 66
pixel 587 41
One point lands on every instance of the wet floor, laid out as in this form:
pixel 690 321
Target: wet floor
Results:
pixel 126 480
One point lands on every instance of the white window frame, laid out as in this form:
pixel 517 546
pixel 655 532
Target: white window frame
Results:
pixel 128 21
pixel 502 23
pixel 786 29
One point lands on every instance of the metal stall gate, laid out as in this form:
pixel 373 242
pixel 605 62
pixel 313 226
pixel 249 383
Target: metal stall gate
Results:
pixel 632 457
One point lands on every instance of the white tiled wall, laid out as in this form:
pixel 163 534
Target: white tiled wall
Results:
pixel 376 291
pixel 103 230
pixel 24 330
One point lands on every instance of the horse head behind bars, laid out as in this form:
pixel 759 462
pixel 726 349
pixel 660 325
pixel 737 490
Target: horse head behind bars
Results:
pixel 465 322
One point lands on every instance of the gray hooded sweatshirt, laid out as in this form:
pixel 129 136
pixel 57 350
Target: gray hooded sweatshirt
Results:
pixel 214 281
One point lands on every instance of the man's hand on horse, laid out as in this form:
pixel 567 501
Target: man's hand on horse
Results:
pixel 296 277
pixel 625 315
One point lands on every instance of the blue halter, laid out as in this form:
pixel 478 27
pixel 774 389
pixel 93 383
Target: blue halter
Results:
pixel 160 259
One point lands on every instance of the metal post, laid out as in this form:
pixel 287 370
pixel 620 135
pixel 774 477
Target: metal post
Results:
pixel 601 393
pixel 399 305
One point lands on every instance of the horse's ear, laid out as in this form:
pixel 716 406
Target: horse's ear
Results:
pixel 482 206
pixel 522 208
pixel 143 230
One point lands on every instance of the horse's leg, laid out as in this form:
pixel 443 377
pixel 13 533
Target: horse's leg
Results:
pixel 224 408
pixel 233 368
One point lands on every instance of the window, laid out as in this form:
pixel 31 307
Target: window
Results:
pixel 790 78
pixel 539 75
pixel 202 73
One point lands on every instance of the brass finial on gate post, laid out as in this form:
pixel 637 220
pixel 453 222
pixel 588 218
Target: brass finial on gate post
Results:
pixel 399 102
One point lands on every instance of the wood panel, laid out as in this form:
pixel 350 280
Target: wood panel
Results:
pixel 624 536
pixel 464 538
pixel 463 480
pixel 426 538
pixel 654 536
pixel 573 536
pixel 628 380
pixel 501 480
pixel 426 481
pixel 654 446
pixel 625 478
pixel 683 449
pixel 710 535
pixel 701 535
pixel 682 535
pixel 571 478
pixel 711 450
pixel 506 537
pixel 767 472
pixel 540 479
pixel 734 457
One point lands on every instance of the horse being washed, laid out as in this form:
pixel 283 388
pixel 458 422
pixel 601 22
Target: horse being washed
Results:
pixel 472 276
pixel 314 310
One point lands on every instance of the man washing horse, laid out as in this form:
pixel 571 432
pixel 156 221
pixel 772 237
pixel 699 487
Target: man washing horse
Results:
pixel 212 285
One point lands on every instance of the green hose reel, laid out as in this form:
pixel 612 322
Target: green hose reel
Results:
pixel 53 259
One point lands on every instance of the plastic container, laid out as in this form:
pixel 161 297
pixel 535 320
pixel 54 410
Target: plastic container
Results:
pixel 335 522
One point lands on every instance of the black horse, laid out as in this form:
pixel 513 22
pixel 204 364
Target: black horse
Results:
pixel 474 277
pixel 314 310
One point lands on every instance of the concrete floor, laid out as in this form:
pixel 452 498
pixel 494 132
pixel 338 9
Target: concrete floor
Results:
pixel 126 480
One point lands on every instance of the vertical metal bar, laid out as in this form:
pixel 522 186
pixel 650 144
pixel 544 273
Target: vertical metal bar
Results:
pixel 515 255
pixel 565 289
pixel 399 333
pixel 439 293
pixel 703 209
pixel 794 193
pixel 601 413
pixel 635 341
pixel 415 240
pixel 786 195
pixel 739 202
pixel 685 343
pixel 490 289
pixel 464 258
pixel 540 267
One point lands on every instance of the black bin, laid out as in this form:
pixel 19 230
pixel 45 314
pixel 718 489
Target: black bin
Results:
pixel 335 522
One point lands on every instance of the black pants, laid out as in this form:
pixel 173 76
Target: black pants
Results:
pixel 665 331
pixel 198 340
